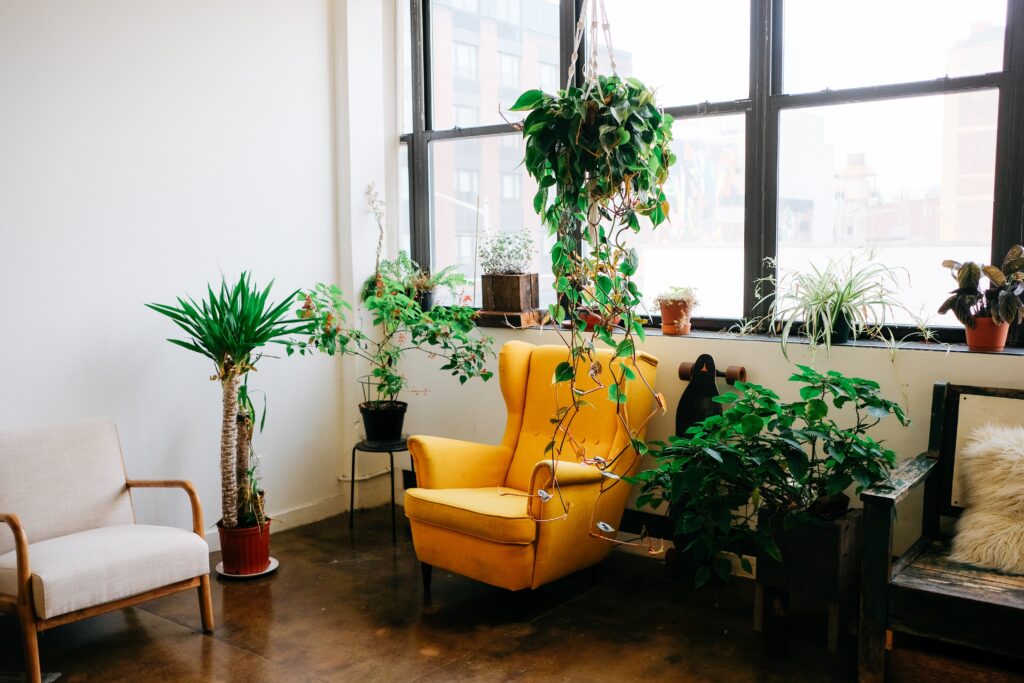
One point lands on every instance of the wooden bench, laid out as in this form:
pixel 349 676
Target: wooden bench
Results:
pixel 923 592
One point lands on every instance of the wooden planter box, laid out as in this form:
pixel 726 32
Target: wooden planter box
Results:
pixel 511 293
pixel 819 560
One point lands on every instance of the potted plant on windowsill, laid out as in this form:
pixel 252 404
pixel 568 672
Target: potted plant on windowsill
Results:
pixel 677 304
pixel 986 315
pixel 417 283
pixel 769 474
pixel 230 327
pixel 852 297
pixel 507 285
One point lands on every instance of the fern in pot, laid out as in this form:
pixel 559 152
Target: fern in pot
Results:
pixel 508 285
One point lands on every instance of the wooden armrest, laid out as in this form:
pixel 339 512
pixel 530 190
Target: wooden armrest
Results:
pixel 901 480
pixel 21 552
pixel 193 497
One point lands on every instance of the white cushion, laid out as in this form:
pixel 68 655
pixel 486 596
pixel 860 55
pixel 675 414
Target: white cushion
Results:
pixel 990 532
pixel 61 479
pixel 98 566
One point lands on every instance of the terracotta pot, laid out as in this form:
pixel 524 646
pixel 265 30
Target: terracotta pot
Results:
pixel 591 320
pixel 245 550
pixel 987 335
pixel 675 317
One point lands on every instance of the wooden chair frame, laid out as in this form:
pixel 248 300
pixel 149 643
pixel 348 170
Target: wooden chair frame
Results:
pixel 24 606
pixel 933 469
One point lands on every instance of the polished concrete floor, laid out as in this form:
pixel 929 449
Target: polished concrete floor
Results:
pixel 348 607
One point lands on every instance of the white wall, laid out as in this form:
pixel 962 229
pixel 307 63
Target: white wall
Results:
pixel 146 147
pixel 476 412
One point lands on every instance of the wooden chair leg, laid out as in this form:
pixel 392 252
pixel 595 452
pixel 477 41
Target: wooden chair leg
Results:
pixel 205 603
pixel 30 636
pixel 835 615
pixel 763 598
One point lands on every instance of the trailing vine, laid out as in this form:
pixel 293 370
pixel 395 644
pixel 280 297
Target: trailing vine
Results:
pixel 600 155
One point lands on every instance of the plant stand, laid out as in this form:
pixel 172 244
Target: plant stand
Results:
pixel 510 319
pixel 820 561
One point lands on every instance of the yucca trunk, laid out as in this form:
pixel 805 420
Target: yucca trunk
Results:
pixel 228 451
pixel 242 451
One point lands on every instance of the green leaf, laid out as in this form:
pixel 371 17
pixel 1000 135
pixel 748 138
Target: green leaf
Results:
pixel 702 577
pixel 816 409
pixel 528 100
pixel 751 425
pixel 563 372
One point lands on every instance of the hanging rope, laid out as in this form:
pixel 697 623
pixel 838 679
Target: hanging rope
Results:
pixel 596 10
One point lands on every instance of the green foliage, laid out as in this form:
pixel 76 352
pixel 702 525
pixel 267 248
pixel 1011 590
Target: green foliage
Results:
pixel 765 453
pixel 1001 300
pixel 405 274
pixel 813 301
pixel 677 294
pixel 402 325
pixel 600 155
pixel 231 324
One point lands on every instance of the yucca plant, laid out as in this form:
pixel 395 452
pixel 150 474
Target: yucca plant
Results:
pixel 229 327
pixel 1001 301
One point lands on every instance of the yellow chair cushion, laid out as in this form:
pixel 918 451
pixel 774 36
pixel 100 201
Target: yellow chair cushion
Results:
pixel 491 513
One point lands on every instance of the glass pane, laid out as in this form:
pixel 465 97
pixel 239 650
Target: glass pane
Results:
pixel 405 60
pixel 872 42
pixel 690 51
pixel 480 185
pixel 404 224
pixel 485 54
pixel 703 243
pixel 913 178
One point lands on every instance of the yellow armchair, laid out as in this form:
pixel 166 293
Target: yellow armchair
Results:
pixel 472 512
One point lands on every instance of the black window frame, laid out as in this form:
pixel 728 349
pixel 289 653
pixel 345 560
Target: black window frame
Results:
pixel 762 110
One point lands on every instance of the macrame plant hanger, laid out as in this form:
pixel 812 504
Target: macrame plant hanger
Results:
pixel 595 10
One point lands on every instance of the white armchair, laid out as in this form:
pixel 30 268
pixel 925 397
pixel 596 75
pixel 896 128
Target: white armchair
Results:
pixel 69 545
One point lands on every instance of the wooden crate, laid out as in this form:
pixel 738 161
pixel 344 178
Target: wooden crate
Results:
pixel 515 293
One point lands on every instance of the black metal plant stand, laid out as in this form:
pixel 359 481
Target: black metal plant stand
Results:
pixel 373 447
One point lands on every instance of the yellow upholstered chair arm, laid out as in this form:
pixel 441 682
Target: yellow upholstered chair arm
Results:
pixel 452 464
pixel 570 475
pixel 21 553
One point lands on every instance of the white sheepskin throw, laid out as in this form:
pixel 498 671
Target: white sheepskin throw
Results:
pixel 990 532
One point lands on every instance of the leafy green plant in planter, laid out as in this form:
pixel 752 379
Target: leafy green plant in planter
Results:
pixel 508 284
pixel 600 155
pixel 762 454
pixel 404 273
pixel 676 304
pixel 230 327
pixel 854 296
pixel 987 314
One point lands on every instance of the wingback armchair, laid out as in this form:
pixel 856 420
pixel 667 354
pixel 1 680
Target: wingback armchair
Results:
pixel 472 512
pixel 69 545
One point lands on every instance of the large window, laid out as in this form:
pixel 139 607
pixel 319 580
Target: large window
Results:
pixel 805 130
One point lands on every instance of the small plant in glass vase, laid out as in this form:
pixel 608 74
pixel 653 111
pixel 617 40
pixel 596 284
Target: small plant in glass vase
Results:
pixel 508 285
pixel 677 304
pixel 986 315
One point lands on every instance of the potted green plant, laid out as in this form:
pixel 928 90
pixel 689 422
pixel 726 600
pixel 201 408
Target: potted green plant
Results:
pixel 508 285
pixel 400 324
pixel 230 327
pixel 851 297
pixel 416 282
pixel 986 315
pixel 767 468
pixel 677 304
pixel 424 285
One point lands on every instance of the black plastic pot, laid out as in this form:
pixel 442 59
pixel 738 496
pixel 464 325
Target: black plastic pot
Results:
pixel 840 329
pixel 425 300
pixel 383 420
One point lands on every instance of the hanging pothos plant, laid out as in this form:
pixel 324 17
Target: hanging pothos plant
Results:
pixel 600 155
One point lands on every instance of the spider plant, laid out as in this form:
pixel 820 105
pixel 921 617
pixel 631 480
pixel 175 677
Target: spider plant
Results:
pixel 826 304
pixel 230 327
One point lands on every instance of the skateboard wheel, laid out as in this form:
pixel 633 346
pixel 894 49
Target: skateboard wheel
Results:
pixel 735 373
pixel 686 371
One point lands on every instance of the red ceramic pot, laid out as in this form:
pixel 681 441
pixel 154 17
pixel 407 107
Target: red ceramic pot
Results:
pixel 245 550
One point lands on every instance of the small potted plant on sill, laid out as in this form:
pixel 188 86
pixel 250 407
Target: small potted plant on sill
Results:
pixel 677 304
pixel 230 327
pixel 771 475
pixel 844 299
pixel 507 284
pixel 417 283
pixel 986 315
